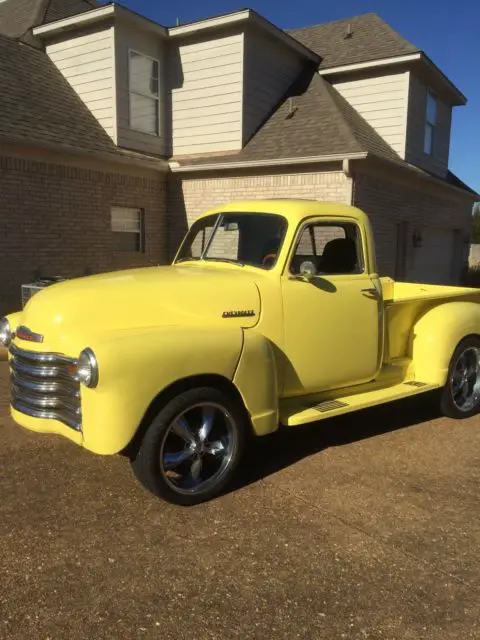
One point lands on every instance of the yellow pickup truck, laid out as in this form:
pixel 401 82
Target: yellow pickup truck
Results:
pixel 271 313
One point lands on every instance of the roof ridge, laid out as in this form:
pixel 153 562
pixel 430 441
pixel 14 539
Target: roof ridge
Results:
pixel 334 95
pixel 330 22
pixel 347 126
pixel 41 13
pixel 399 35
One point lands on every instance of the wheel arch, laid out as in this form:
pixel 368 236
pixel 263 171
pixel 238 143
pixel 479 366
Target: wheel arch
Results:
pixel 164 396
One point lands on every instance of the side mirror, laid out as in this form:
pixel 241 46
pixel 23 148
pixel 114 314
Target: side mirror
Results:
pixel 308 270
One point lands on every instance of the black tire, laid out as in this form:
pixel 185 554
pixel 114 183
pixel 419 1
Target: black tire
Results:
pixel 448 405
pixel 148 461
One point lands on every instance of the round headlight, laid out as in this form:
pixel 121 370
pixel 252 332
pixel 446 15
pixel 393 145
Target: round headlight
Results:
pixel 87 368
pixel 5 332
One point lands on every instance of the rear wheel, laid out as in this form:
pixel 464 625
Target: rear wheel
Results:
pixel 461 394
pixel 192 449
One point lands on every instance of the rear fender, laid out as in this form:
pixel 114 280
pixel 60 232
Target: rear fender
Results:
pixel 435 336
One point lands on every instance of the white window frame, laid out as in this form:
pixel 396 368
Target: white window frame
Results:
pixel 141 226
pixel 430 126
pixel 144 95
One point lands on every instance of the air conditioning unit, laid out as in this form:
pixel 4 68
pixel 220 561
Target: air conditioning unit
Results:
pixel 29 290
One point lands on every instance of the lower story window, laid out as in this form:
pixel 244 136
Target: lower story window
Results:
pixel 128 229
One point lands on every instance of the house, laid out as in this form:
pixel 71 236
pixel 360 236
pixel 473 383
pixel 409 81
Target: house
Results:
pixel 116 132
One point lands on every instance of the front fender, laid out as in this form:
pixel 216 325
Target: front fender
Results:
pixel 256 380
pixel 134 366
pixel 435 336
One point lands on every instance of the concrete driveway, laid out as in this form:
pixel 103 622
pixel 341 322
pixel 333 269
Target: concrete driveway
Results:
pixel 364 527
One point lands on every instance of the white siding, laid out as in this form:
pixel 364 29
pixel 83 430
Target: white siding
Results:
pixel 126 38
pixel 270 69
pixel 382 101
pixel 437 162
pixel 86 61
pixel 205 78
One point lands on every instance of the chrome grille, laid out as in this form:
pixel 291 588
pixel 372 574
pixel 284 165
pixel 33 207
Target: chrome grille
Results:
pixel 44 385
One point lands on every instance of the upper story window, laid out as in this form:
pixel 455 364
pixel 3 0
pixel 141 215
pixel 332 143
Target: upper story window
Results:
pixel 430 123
pixel 144 85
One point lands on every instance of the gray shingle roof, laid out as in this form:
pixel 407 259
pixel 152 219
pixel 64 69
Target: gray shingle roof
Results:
pixel 58 9
pixel 37 105
pixel 17 17
pixel 312 120
pixel 371 39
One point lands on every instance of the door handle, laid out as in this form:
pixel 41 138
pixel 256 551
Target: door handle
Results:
pixel 372 291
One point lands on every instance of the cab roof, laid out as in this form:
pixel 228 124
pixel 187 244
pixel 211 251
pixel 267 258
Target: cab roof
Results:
pixel 294 210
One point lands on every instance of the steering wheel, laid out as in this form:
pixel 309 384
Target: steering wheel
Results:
pixel 269 259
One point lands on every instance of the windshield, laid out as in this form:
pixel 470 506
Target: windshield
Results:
pixel 242 238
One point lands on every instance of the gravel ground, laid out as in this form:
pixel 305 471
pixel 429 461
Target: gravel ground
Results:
pixel 361 527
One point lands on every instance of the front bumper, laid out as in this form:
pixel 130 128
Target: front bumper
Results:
pixel 43 425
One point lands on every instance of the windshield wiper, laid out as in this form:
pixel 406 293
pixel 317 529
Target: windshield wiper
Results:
pixel 228 260
pixel 185 259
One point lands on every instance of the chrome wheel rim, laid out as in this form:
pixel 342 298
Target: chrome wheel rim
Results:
pixel 465 380
pixel 197 448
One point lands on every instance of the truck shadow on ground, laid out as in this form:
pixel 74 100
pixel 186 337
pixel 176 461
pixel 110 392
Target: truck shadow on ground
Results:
pixel 270 454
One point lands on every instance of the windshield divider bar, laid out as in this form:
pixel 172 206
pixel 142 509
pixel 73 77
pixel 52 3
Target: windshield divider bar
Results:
pixel 214 231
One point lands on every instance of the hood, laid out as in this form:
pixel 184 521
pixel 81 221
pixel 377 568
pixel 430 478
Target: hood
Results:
pixel 190 295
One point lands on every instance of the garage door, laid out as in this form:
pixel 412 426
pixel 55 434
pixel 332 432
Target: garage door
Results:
pixel 432 261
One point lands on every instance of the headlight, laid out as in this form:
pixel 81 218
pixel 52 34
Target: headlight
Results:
pixel 87 368
pixel 5 332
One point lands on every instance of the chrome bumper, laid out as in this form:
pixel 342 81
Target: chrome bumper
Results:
pixel 44 385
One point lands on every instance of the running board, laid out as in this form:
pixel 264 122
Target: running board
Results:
pixel 294 412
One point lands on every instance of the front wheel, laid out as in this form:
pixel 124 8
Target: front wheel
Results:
pixel 193 447
pixel 461 394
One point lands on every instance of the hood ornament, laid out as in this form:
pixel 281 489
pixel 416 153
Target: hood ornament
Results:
pixel 24 333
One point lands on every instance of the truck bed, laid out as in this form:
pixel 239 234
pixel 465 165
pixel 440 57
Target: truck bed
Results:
pixel 406 301
pixel 401 292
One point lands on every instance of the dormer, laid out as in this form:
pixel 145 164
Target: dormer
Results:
pixel 392 84
pixel 226 75
pixel 198 88
pixel 408 101
pixel 115 61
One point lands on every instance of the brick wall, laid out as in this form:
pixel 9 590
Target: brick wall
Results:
pixel 189 197
pixel 55 219
pixel 390 204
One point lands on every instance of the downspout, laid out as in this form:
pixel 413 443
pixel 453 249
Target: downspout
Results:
pixel 348 172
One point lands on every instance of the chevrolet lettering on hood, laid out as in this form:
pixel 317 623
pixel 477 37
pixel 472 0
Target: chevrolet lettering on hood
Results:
pixel 239 314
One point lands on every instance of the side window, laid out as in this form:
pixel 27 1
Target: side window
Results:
pixel 333 248
pixel 128 229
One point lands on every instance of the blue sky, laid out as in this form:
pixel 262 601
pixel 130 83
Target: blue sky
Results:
pixel 447 30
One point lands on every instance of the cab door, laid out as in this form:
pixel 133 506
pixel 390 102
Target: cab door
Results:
pixel 332 310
